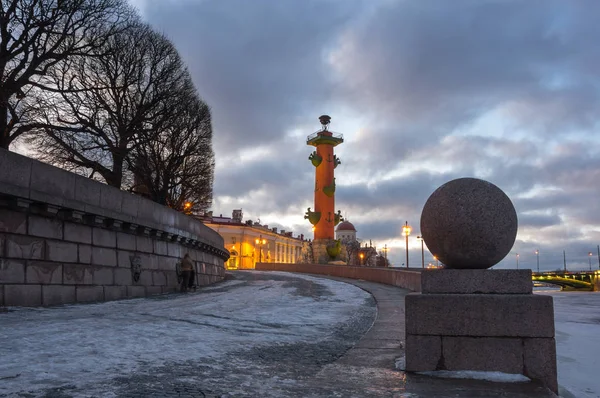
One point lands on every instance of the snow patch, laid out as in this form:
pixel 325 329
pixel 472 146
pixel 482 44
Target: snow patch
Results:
pixel 497 377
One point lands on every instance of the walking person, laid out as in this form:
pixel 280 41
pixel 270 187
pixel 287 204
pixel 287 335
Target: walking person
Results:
pixel 187 267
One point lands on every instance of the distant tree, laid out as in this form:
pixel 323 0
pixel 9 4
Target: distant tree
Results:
pixel 381 260
pixel 35 37
pixel 352 247
pixel 176 167
pixel 110 103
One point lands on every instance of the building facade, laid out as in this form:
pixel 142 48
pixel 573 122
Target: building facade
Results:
pixel 250 242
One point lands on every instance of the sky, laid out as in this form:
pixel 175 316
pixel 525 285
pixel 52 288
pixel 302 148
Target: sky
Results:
pixel 424 92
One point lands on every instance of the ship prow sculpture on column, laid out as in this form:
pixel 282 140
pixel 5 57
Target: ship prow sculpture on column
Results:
pixel 324 217
pixel 468 317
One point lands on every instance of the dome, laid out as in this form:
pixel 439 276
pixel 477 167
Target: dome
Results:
pixel 346 226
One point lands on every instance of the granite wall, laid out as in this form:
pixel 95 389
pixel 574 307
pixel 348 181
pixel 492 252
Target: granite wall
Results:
pixel 65 238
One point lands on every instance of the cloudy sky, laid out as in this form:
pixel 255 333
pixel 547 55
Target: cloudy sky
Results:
pixel 423 91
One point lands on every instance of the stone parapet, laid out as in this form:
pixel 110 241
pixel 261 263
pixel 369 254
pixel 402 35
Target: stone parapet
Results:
pixel 65 238
pixel 511 332
pixel 478 281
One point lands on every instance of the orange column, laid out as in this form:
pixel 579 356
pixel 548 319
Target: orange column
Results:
pixel 325 204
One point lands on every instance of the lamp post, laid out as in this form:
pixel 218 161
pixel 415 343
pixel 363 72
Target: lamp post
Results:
pixel 362 256
pixel 406 231
pixel 260 242
pixel 517 260
pixel 537 257
pixel 422 251
pixel 590 258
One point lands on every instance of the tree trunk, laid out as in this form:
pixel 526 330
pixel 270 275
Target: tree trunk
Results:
pixel 5 138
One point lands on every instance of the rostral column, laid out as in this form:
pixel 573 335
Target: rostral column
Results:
pixel 324 218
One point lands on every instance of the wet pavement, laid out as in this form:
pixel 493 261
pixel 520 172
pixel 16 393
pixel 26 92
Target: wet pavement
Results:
pixel 257 350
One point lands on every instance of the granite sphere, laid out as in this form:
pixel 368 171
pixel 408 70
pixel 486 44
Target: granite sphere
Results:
pixel 469 223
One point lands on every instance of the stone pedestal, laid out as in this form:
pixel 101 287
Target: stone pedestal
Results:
pixel 483 320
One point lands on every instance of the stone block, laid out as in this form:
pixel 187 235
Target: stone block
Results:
pixel 145 278
pixel 89 293
pixel 1 295
pixel 115 292
pixel 87 191
pixel 160 247
pixel 476 281
pixel 15 170
pixel 13 221
pixel 57 295
pixel 479 315
pixel 124 258
pixel 166 263
pixel 125 241
pixel 23 295
pixel 136 291
pixel 130 204
pixel 52 183
pixel 104 237
pixel 75 274
pixel 159 278
pixel 78 233
pixel 175 250
pixel 21 246
pixel 45 227
pixel 12 271
pixel 153 290
pixel 123 276
pixel 103 276
pixel 483 354
pixel 423 353
pixel 59 251
pixel 110 198
pixel 44 273
pixel 84 254
pixel 143 244
pixel 172 279
pixel 104 256
pixel 540 361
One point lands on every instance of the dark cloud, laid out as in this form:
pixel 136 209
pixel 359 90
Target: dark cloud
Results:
pixel 506 91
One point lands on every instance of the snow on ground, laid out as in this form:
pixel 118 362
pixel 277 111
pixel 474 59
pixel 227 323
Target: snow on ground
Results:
pixel 577 320
pixel 88 344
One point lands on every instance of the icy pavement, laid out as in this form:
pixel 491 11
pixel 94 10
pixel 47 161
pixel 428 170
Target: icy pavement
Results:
pixel 577 320
pixel 258 332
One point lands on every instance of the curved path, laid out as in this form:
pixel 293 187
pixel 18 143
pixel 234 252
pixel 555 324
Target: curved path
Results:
pixel 259 334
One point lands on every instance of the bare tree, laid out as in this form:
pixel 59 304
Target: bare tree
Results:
pixel 108 104
pixel 352 247
pixel 37 35
pixel 176 167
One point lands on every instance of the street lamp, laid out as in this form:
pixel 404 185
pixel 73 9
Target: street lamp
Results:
pixel 406 231
pixel 517 260
pixel 422 252
pixel 437 262
pixel 361 255
pixel 590 258
pixel 260 242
